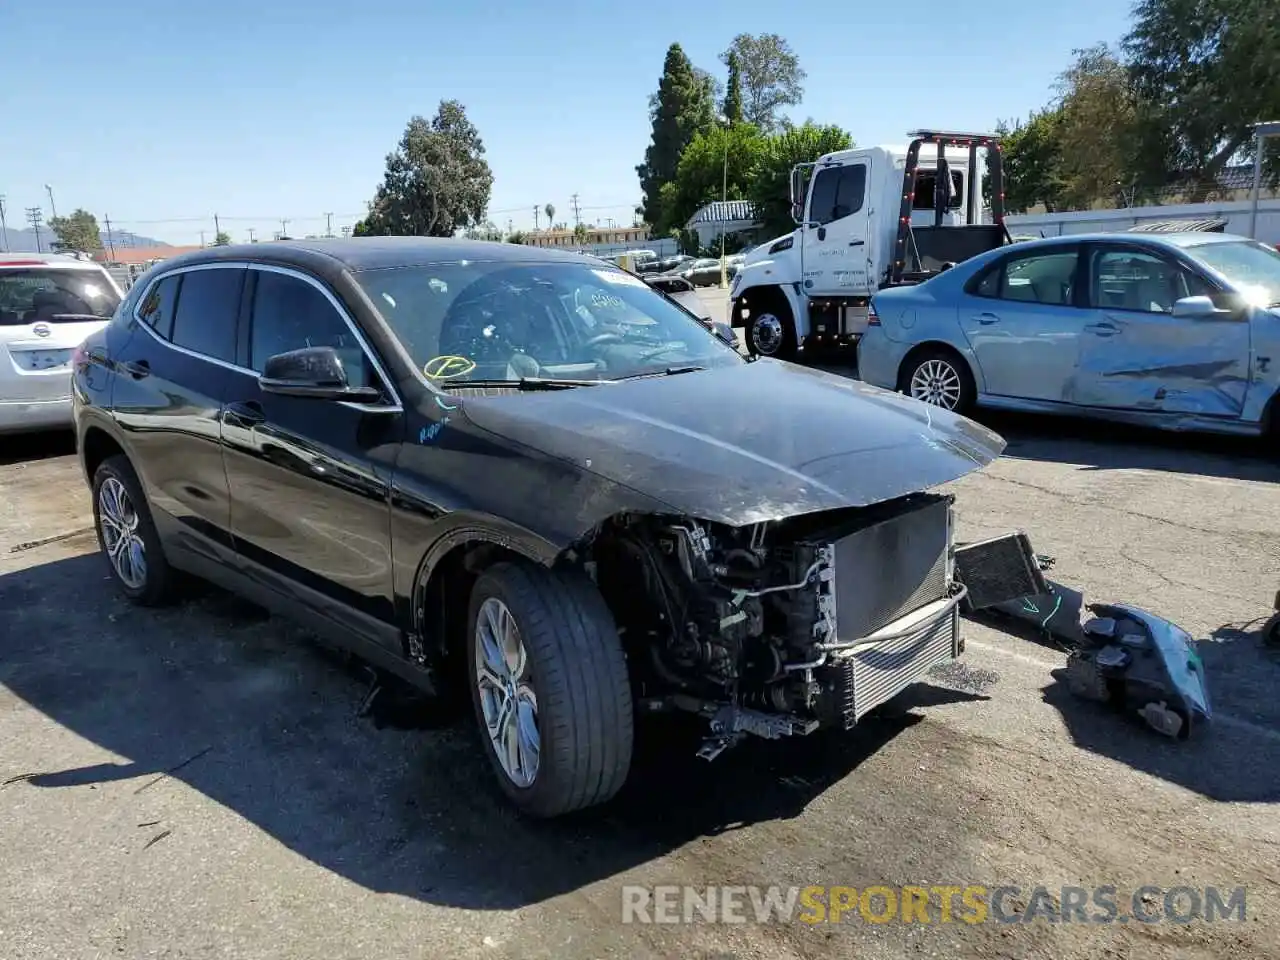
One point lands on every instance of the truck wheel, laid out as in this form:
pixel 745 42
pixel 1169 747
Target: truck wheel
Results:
pixel 939 377
pixel 770 330
pixel 550 688
pixel 128 537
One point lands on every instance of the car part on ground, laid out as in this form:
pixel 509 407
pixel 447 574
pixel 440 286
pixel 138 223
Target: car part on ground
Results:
pixel 1121 654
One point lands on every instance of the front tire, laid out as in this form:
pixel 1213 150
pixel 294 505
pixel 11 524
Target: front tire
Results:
pixel 939 378
pixel 770 330
pixel 550 688
pixel 128 537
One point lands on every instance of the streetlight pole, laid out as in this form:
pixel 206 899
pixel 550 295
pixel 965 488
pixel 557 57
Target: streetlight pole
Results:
pixel 53 207
pixel 724 200
pixel 1261 131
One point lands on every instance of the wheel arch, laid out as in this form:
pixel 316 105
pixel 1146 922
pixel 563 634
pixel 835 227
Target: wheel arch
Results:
pixel 766 293
pixel 97 444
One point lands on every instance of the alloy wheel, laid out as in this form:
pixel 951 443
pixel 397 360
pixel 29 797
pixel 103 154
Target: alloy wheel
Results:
pixel 507 697
pixel 936 382
pixel 121 535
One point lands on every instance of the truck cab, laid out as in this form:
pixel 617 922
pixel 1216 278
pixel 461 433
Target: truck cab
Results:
pixel 866 219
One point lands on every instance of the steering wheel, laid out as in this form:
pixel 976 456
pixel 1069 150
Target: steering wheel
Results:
pixel 650 354
pixel 604 338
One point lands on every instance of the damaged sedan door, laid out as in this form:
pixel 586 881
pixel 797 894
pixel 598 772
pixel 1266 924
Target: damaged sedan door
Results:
pixel 1147 346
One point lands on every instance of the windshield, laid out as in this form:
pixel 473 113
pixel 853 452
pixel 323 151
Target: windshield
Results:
pixel 51 295
pixel 1251 267
pixel 473 321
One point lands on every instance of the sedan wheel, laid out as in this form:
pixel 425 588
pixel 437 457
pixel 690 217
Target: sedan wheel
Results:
pixel 936 381
pixel 121 539
pixel 507 697
pixel 127 535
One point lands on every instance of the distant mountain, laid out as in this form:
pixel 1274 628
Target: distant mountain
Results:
pixel 24 241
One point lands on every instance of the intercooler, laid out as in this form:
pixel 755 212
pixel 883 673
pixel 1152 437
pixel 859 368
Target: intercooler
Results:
pixel 892 560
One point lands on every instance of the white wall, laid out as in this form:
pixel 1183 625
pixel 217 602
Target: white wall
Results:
pixel 1236 213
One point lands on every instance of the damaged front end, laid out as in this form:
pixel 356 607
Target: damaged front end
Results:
pixel 782 628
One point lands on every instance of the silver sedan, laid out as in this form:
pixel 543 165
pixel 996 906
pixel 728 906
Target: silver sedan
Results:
pixel 1179 331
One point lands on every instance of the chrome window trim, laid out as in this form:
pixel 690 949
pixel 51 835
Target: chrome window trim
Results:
pixel 396 406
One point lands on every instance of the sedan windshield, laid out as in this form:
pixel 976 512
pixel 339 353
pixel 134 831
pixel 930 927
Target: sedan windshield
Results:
pixel 1251 267
pixel 54 295
pixel 578 323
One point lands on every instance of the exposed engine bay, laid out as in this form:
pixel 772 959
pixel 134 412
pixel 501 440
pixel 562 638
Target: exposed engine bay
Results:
pixel 781 628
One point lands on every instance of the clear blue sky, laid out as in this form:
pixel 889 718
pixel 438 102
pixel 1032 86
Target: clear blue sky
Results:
pixel 161 114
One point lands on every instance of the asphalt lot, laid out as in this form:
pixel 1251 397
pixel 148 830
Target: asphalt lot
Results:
pixel 195 782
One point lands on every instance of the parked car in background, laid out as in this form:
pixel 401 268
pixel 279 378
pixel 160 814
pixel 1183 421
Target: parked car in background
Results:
pixel 706 271
pixel 48 304
pixel 506 475
pixel 1176 330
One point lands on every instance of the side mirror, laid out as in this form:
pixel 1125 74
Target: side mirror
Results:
pixel 725 333
pixel 1197 308
pixel 315 372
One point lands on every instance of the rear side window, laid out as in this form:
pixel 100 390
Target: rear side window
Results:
pixel 1048 278
pixel 156 308
pixel 205 318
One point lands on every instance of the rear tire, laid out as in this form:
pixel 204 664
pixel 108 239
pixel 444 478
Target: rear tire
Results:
pixel 127 535
pixel 770 330
pixel 559 665
pixel 940 378
pixel 1271 632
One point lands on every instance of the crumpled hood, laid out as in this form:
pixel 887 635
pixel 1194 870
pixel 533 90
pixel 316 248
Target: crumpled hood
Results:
pixel 747 443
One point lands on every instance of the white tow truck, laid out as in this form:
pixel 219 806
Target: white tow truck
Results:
pixel 867 219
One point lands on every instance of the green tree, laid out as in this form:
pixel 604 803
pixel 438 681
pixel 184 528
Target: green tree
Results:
pixel 683 106
pixel 717 157
pixel 437 180
pixel 732 106
pixel 1205 71
pixel 222 239
pixel 518 236
pixel 770 75
pixel 1097 129
pixel 1031 153
pixel 550 211
pixel 580 234
pixel 77 233
pixel 770 189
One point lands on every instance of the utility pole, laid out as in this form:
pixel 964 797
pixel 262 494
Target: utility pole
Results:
pixel 346 231
pixel 573 202
pixel 328 224
pixel 202 238
pixel 510 227
pixel 4 227
pixel 535 218
pixel 217 228
pixel 251 240
pixel 33 217
pixel 106 218
pixel 284 228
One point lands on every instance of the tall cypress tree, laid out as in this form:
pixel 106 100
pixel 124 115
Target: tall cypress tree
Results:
pixel 683 106
pixel 732 109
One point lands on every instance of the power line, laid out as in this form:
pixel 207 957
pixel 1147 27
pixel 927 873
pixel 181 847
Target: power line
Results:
pixel 34 215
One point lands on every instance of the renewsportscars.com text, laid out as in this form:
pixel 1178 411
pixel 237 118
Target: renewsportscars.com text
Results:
pixel 971 904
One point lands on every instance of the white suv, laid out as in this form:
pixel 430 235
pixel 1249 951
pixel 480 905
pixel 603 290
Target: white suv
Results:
pixel 49 303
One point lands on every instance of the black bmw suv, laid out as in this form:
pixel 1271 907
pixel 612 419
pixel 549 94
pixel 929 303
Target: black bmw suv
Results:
pixel 527 477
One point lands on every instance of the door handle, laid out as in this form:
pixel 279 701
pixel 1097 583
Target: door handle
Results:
pixel 244 413
pixel 986 319
pixel 136 368
pixel 857 243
